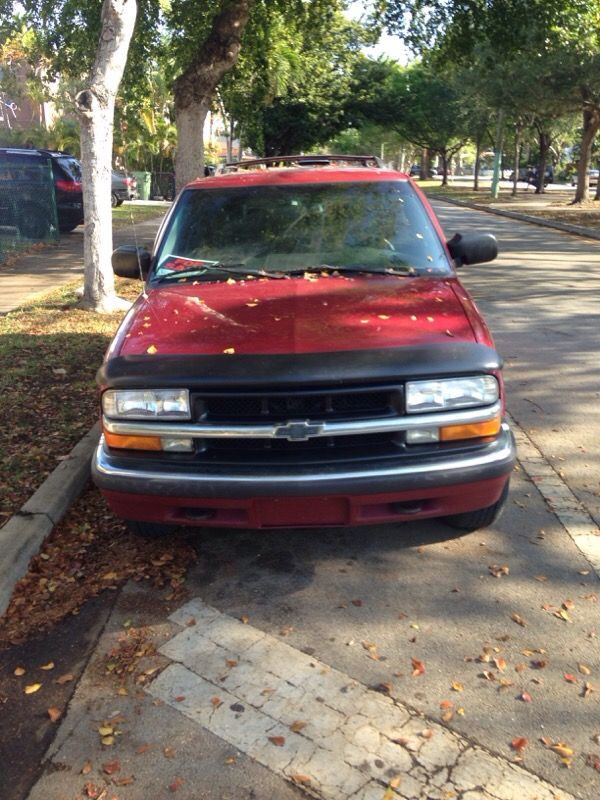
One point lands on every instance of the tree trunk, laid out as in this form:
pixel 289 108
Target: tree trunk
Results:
pixel 194 88
pixel 516 160
pixel 477 162
pixel 444 157
pixel 544 142
pixel 591 124
pixel 95 105
pixel 425 162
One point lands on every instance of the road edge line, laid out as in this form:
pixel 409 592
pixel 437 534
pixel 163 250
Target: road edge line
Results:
pixel 24 533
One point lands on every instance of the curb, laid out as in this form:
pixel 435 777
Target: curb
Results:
pixel 24 533
pixel 575 230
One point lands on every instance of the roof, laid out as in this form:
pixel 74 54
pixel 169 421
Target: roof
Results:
pixel 295 175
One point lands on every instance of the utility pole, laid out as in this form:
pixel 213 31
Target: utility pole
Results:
pixel 498 154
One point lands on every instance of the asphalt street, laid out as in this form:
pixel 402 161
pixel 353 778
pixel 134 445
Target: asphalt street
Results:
pixel 474 633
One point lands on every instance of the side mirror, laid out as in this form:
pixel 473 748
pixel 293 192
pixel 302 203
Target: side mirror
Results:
pixel 129 261
pixel 472 248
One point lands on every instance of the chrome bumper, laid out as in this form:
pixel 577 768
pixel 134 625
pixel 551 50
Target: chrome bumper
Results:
pixel 115 473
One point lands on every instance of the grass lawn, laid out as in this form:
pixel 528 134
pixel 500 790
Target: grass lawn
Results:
pixel 122 215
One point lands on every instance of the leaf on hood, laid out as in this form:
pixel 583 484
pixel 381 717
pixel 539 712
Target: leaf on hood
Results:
pixel 152 349
pixel 229 351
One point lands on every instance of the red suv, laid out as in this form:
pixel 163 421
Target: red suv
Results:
pixel 303 354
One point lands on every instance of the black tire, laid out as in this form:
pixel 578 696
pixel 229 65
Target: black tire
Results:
pixel 114 200
pixel 119 202
pixel 481 517
pixel 151 530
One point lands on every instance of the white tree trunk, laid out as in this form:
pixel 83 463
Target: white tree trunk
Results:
pixel 189 158
pixel 96 104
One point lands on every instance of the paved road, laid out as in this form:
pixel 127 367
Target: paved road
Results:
pixel 363 603
pixel 540 299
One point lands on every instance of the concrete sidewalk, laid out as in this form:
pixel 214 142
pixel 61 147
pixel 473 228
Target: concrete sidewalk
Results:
pixel 38 272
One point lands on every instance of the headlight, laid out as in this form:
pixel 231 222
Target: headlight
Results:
pixel 450 393
pixel 163 404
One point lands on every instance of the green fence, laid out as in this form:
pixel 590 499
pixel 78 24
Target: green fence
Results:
pixel 27 201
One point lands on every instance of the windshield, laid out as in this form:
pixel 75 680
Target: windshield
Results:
pixel 378 226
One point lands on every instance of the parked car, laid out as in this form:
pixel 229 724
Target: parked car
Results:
pixel 303 355
pixel 530 175
pixel 415 171
pixel 123 187
pixel 592 177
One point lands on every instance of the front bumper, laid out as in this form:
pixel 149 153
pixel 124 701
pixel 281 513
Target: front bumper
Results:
pixel 415 487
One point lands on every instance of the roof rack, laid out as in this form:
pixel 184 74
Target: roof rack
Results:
pixel 316 160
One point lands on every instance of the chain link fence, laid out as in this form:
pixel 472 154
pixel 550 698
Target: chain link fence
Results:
pixel 28 212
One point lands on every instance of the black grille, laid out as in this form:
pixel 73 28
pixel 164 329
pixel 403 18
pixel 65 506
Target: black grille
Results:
pixel 284 406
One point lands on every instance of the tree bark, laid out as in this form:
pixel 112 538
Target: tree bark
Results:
pixel 477 162
pixel 95 106
pixel 516 159
pixel 444 157
pixel 544 143
pixel 194 88
pixel 591 124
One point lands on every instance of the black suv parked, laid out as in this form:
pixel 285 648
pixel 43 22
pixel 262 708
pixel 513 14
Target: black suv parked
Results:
pixel 32 214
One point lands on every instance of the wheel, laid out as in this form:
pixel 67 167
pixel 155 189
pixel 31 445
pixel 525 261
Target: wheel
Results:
pixel 114 200
pixel 481 517
pixel 152 530
pixel 119 202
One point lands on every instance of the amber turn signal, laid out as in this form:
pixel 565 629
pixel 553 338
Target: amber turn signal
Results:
pixel 475 430
pixel 132 442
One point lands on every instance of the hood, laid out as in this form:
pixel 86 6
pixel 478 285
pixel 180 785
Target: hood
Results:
pixel 297 315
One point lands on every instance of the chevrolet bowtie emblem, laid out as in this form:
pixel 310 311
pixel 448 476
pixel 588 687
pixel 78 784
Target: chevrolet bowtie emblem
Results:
pixel 298 431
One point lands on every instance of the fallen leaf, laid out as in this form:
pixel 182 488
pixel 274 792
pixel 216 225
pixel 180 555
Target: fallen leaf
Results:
pixel 216 702
pixel 49 665
pixel 54 713
pixel 584 669
pixel 299 778
pixel 447 715
pixel 418 667
pixel 111 767
pixel 278 741
pixel 489 676
pixel 570 678
pixel 168 752
pixel 520 667
pixel 588 689
pixel 561 614
pixel 525 697
pixel 539 664
pixel 568 605
pixel 110 576
pixel 456 686
pixel 87 768
pixel 19 671
pixel 498 571
pixel 105 730
pixel 107 741
pixel 143 748
pixel 230 760
pixel 180 698
pixel 562 749
pixel 460 711
pixel 541 578
pixel 231 662
pixel 518 619
pixel 92 790
pixel 446 704
pixel 427 733
pixel 593 760
pixel 356 603
pixel 500 664
pixel 297 725
pixel 244 619
pixel 68 676
pixel 33 687
pixel 519 744
pixel 504 683
pixel 125 780
pixel 178 781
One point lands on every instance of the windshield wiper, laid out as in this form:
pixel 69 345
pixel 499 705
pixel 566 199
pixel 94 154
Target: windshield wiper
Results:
pixel 231 269
pixel 408 272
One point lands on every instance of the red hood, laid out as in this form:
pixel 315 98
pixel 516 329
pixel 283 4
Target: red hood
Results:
pixel 298 315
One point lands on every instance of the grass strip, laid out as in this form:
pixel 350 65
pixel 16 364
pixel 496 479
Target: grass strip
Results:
pixel 50 350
